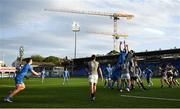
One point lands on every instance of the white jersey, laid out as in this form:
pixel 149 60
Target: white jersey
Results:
pixel 125 68
pixel 137 71
pixel 93 67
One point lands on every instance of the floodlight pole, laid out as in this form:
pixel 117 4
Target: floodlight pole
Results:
pixel 75 46
pixel 21 53
pixel 75 29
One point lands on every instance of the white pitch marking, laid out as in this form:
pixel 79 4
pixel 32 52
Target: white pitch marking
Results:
pixel 6 86
pixel 152 98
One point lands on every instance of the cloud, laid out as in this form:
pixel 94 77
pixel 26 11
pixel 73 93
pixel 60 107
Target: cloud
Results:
pixel 49 33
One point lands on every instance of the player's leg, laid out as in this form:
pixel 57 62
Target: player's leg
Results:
pixel 141 82
pixel 138 83
pixel 109 82
pixel 91 89
pixel 67 79
pixel 19 87
pixel 95 81
pixel 105 82
pixel 92 82
pixel 42 80
pixel 94 90
pixel 129 84
pixel 64 79
pixel 132 83
pixel 122 82
pixel 128 79
pixel 166 81
pixel 162 82
pixel 177 82
pixel 173 81
pixel 112 82
pixel 170 81
pixel 150 79
pixel 118 81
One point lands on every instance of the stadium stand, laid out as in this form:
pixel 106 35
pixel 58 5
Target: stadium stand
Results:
pixel 152 59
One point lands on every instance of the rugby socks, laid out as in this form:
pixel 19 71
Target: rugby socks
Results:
pixel 132 86
pixel 142 85
pixel 92 95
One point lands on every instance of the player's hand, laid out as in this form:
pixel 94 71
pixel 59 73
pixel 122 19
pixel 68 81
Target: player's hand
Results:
pixel 36 74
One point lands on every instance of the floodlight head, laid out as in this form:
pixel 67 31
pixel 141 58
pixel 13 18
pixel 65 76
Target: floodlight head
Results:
pixel 75 27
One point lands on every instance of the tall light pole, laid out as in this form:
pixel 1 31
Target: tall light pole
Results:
pixel 21 53
pixel 75 28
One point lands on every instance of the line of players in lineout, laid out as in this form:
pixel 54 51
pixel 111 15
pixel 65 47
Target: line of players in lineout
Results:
pixel 131 74
pixel 127 73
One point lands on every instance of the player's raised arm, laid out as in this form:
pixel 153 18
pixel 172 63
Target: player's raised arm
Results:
pixel 140 71
pixel 126 48
pixel 100 71
pixel 124 45
pixel 120 46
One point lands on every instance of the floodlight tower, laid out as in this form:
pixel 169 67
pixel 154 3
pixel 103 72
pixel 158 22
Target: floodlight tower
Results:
pixel 75 29
pixel 21 53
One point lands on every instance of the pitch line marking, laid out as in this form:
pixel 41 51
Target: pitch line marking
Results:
pixel 152 98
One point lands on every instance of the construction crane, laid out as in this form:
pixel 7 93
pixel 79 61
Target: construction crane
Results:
pixel 115 37
pixel 115 16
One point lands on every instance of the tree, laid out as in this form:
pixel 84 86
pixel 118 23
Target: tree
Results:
pixel 52 59
pixel 37 58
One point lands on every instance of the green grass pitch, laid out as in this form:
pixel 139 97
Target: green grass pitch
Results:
pixel 76 94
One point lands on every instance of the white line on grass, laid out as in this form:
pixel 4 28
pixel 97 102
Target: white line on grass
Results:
pixel 6 86
pixel 152 98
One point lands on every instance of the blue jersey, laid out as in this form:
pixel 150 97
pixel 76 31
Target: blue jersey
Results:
pixel 19 76
pixel 43 73
pixel 116 71
pixel 122 57
pixel 108 72
pixel 23 72
pixel 66 74
pixel 148 73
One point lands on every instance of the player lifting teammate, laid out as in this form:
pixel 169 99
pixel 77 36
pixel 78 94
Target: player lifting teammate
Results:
pixel 135 76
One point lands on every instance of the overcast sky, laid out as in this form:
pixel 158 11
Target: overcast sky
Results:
pixel 25 23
